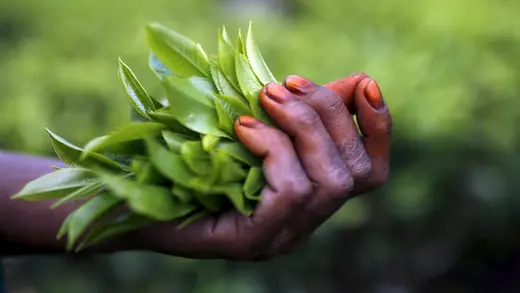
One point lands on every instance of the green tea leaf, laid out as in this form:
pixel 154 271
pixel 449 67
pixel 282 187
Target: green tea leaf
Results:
pixel 209 142
pixel 192 218
pixel 235 195
pixel 148 200
pixel 225 169
pixel 86 214
pixel 146 173
pixel 223 85
pixel 183 194
pixel 251 87
pixel 170 164
pixel 197 159
pixel 240 49
pixel 200 89
pixel 226 58
pixel 137 95
pixel 246 77
pixel 117 226
pixel 56 184
pixel 64 227
pixel 70 154
pixel 174 141
pixel 256 60
pixel 239 152
pixel 228 111
pixel 85 191
pixel 254 183
pixel 224 121
pixel 129 132
pixel 166 117
pixel 158 67
pixel 193 114
pixel 211 202
pixel 180 54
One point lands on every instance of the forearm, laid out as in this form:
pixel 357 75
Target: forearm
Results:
pixel 31 227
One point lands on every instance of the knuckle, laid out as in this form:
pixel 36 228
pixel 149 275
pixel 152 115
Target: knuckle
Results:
pixel 306 117
pixel 297 191
pixel 340 185
pixel 361 170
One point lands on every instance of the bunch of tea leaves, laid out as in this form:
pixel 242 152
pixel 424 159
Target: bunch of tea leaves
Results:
pixel 178 159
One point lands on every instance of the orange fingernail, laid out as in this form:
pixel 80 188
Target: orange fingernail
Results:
pixel 298 85
pixel 249 122
pixel 373 95
pixel 279 94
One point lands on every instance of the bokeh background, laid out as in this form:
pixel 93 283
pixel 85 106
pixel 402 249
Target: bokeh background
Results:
pixel 448 219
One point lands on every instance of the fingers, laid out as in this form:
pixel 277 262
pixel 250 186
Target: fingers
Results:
pixel 375 123
pixel 337 120
pixel 345 88
pixel 316 150
pixel 286 190
pixel 231 235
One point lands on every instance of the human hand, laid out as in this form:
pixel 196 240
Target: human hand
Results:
pixel 313 163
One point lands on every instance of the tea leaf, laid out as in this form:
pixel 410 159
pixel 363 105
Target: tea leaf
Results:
pixel 209 142
pixel 56 184
pixel 211 202
pixel 174 141
pixel 70 154
pixel 166 117
pixel 224 121
pixel 170 164
pixel 256 60
pixel 192 218
pixel 226 58
pixel 200 89
pixel 225 169
pixel 158 67
pixel 129 132
pixel 137 95
pixel 254 183
pixel 85 191
pixel 222 84
pixel 197 159
pixel 239 152
pixel 146 173
pixel 240 49
pixel 180 54
pixel 191 113
pixel 235 195
pixel 183 194
pixel 86 214
pixel 246 77
pixel 232 108
pixel 148 200
pixel 115 227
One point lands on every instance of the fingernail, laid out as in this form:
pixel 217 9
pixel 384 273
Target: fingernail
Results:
pixel 249 122
pixel 278 94
pixel 373 95
pixel 298 85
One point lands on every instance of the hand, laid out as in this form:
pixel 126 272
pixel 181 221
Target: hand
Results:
pixel 312 166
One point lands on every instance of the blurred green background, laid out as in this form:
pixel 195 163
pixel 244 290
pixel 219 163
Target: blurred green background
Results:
pixel 447 221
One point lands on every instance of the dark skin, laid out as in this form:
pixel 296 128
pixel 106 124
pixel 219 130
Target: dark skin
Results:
pixel 313 163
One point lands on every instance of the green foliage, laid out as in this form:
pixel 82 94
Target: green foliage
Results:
pixel 196 104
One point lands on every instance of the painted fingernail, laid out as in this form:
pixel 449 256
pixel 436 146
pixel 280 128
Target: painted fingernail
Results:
pixel 298 85
pixel 278 94
pixel 373 95
pixel 249 122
